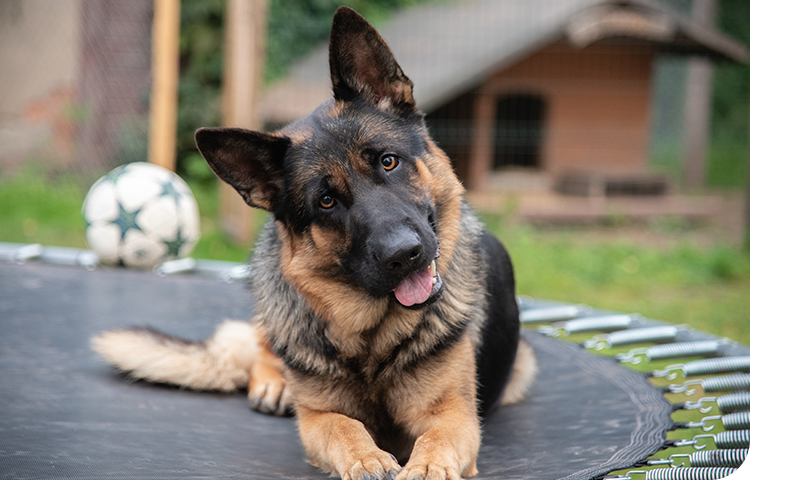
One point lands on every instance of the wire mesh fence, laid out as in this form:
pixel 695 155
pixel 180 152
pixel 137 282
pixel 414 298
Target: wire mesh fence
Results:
pixel 79 79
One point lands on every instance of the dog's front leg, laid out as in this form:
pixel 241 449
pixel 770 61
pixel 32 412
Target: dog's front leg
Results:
pixel 446 423
pixel 341 445
pixel 267 390
pixel 449 448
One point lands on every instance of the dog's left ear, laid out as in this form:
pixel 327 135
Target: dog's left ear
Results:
pixel 362 65
pixel 249 161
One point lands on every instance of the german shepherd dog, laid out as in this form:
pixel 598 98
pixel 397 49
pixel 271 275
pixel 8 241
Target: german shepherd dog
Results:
pixel 385 315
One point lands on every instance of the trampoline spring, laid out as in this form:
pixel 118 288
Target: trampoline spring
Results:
pixel 735 402
pixel 236 273
pixel 713 458
pixel 733 421
pixel 725 364
pixel 736 381
pixel 685 473
pixel 671 350
pixel 524 302
pixel 552 313
pixel 609 322
pixel 652 334
pixel 177 266
pixel 730 439
pixel 27 252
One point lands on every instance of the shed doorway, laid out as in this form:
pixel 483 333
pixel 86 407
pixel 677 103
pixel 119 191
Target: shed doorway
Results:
pixel 519 131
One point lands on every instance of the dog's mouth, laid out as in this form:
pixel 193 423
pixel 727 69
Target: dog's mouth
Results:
pixel 420 288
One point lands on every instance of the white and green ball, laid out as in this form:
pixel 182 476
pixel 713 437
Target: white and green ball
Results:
pixel 140 215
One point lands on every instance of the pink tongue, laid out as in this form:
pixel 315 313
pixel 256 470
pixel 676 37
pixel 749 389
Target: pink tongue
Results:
pixel 415 289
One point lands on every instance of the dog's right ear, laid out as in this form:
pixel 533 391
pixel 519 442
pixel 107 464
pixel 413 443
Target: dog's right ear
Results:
pixel 362 65
pixel 249 161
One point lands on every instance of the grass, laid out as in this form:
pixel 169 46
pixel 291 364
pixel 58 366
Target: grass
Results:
pixel 36 209
pixel 728 163
pixel 706 287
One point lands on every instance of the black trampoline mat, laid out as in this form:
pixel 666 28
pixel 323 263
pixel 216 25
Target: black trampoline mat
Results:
pixel 64 413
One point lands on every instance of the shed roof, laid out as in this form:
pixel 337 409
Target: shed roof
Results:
pixel 433 44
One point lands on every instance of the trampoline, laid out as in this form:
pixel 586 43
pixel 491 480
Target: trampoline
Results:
pixel 65 413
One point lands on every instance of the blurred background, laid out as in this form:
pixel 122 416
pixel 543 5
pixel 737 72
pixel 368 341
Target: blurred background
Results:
pixel 606 143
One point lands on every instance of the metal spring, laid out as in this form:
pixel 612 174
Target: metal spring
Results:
pixel 731 439
pixel 735 402
pixel 672 350
pixel 609 322
pixel 733 421
pixel 737 381
pixel 552 313
pixel 715 458
pixel 726 364
pixel 652 334
pixel 685 473
pixel 524 302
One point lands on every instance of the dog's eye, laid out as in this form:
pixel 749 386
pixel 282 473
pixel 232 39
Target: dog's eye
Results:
pixel 326 201
pixel 389 162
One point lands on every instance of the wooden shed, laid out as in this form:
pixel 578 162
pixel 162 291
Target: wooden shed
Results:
pixel 556 87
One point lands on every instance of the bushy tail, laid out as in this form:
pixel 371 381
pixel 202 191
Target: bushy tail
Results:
pixel 221 362
pixel 525 369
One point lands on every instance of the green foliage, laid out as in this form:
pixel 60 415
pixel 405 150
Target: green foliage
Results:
pixel 730 108
pixel 728 163
pixel 297 26
pixel 197 171
pixel 729 158
pixel 200 81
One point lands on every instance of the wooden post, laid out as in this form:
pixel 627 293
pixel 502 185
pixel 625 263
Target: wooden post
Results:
pixel 165 84
pixel 243 61
pixel 482 151
pixel 697 107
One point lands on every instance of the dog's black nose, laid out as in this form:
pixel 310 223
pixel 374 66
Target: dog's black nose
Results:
pixel 401 252
pixel 404 258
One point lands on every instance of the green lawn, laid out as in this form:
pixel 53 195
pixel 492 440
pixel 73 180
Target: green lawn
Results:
pixel 706 287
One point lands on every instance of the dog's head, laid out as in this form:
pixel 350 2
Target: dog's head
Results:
pixel 364 200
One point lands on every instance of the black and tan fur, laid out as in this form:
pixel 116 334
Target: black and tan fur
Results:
pixel 361 199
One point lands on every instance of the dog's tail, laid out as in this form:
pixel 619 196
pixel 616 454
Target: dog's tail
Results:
pixel 221 362
pixel 524 373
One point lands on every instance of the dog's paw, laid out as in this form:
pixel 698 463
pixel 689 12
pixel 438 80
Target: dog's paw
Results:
pixel 434 472
pixel 271 397
pixel 434 458
pixel 376 465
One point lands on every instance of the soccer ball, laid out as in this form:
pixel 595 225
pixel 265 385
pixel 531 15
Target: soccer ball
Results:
pixel 140 215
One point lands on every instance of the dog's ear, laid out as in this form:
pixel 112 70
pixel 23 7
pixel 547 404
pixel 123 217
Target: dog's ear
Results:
pixel 249 161
pixel 361 64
